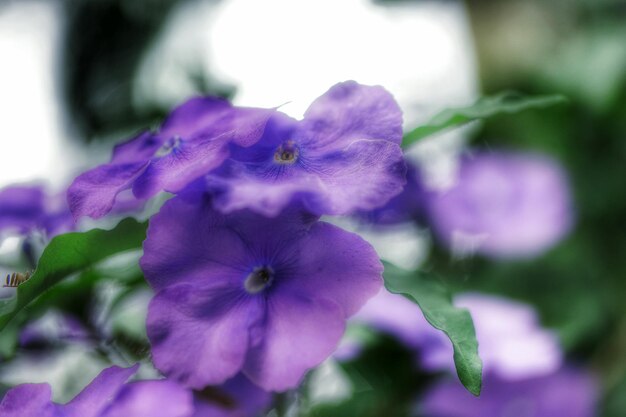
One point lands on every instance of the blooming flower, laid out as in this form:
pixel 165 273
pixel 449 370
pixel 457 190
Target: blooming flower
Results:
pixel 504 205
pixel 192 141
pixel 569 392
pixel 27 208
pixel 511 342
pixel 265 296
pixel 106 396
pixel 343 156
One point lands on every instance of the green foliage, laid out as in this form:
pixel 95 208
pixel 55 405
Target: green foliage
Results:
pixel 436 304
pixel 486 107
pixel 69 254
pixel 615 402
pixel 384 381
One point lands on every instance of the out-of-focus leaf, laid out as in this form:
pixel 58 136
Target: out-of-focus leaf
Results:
pixel 615 402
pixel 70 253
pixel 8 342
pixel 485 107
pixel 436 303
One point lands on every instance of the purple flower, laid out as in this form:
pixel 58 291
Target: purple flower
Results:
pixel 106 396
pixel 343 156
pixel 53 327
pixel 191 142
pixel 504 205
pixel 265 296
pixel 511 342
pixel 569 392
pixel 27 208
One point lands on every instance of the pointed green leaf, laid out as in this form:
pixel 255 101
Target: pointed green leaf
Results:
pixel 436 304
pixel 70 253
pixel 485 107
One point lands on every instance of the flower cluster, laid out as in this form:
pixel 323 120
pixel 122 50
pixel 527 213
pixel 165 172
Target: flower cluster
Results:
pixel 252 289
pixel 249 284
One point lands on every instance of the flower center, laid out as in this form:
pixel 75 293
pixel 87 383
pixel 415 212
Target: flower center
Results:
pixel 259 279
pixel 169 146
pixel 286 153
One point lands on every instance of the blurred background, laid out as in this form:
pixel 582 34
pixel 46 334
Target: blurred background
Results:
pixel 79 76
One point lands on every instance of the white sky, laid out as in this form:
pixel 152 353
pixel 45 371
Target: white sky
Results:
pixel 32 140
pixel 276 51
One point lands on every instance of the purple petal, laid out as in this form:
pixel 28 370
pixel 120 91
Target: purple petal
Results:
pixel 29 400
pixel 200 336
pixel 238 397
pixel 567 393
pixel 299 334
pixel 188 242
pixel 93 193
pixel 350 111
pixel 265 197
pixel 151 399
pixel 101 392
pixel 194 115
pixel 172 172
pixel 212 117
pixel 138 149
pixel 21 208
pixel 363 176
pixel 408 206
pixel 348 271
pixel 247 397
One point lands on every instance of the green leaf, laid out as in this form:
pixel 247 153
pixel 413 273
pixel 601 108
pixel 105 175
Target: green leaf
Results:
pixel 503 103
pixel 436 304
pixel 70 253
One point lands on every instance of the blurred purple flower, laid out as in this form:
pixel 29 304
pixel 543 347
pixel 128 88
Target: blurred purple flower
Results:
pixel 241 292
pixel 53 327
pixel 512 343
pixel 192 141
pixel 567 393
pixel 505 205
pixel 27 208
pixel 343 156
pixel 106 396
